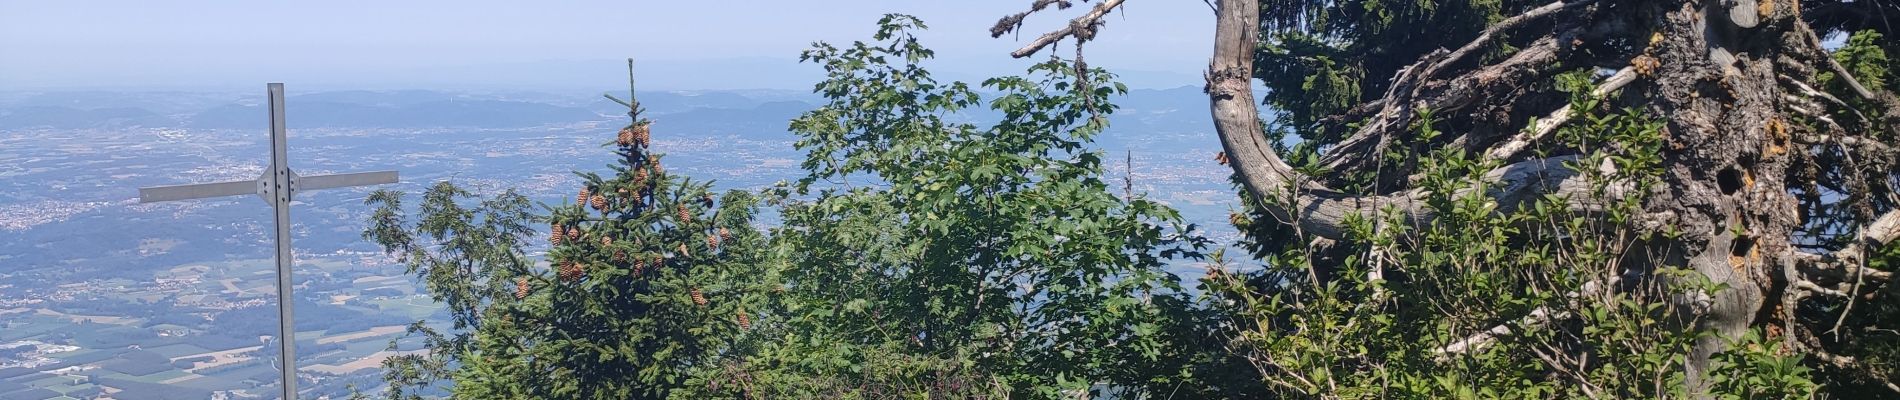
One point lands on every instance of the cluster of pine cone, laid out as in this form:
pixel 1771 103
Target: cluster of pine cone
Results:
pixel 571 271
pixel 559 233
pixel 639 134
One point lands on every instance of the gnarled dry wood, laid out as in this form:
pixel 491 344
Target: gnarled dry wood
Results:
pixel 1538 59
pixel 1312 207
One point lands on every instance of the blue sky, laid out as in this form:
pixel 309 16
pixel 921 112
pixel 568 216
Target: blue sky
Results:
pixel 548 45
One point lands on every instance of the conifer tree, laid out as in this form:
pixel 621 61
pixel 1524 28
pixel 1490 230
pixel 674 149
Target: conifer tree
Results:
pixel 648 280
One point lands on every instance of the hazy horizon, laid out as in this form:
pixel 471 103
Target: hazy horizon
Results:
pixel 489 45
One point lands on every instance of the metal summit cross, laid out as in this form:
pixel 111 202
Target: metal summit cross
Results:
pixel 277 185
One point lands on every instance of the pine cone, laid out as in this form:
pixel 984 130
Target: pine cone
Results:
pixel 620 256
pixel 582 198
pixel 699 298
pixel 745 322
pixel 685 216
pixel 569 271
pixel 574 233
pixel 639 266
pixel 642 134
pixel 625 138
pixel 682 250
pixel 640 177
pixel 606 241
pixel 724 234
pixel 712 242
pixel 556 234
pixel 521 288
pixel 600 203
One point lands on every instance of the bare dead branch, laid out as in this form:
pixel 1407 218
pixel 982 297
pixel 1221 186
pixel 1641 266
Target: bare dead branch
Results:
pixel 1535 60
pixel 1811 287
pixel 1081 28
pixel 1813 265
pixel 1539 318
pixel 1810 91
pixel 1015 21
pixel 1512 148
pixel 1852 141
pixel 1883 230
pixel 1490 34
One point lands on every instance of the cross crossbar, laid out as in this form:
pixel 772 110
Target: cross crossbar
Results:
pixel 196 191
pixel 276 186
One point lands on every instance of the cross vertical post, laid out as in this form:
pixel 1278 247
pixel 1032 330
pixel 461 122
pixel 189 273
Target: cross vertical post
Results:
pixel 277 186
pixel 280 202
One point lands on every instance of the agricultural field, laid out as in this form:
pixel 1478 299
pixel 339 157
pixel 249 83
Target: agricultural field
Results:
pixel 205 330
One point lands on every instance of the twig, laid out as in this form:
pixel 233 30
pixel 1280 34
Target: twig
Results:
pixel 1082 28
pixel 1811 287
pixel 1810 91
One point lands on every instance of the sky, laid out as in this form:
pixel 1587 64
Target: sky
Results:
pixel 550 45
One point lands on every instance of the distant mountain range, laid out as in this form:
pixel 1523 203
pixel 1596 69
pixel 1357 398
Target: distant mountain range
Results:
pixel 710 111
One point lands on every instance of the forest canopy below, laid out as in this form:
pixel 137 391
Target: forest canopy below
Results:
pixel 1459 199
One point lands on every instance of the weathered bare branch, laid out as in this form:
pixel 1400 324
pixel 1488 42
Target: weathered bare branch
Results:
pixel 1015 21
pixel 1081 28
pixel 1853 141
pixel 1837 269
pixel 1535 60
pixel 1540 318
pixel 1492 33
pixel 1516 145
pixel 1810 91
pixel 1811 287
pixel 1845 265
pixel 1883 230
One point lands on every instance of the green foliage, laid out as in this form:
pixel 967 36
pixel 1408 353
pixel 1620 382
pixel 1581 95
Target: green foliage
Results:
pixel 1759 369
pixel 1864 56
pixel 463 256
pixel 927 258
pixel 648 284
